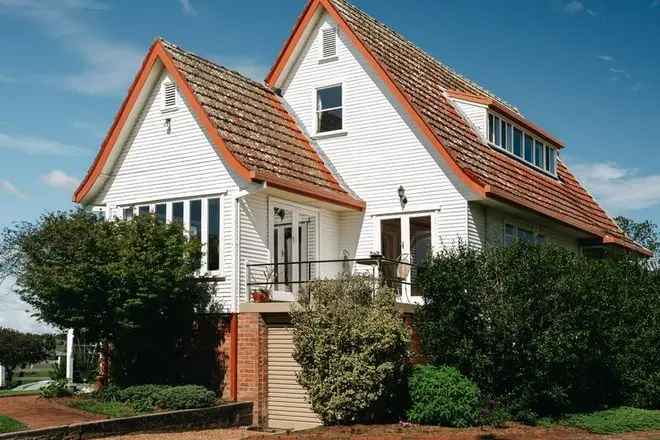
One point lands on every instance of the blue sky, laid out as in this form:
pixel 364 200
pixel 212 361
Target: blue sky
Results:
pixel 587 71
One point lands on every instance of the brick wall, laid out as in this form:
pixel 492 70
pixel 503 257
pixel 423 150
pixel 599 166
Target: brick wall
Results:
pixel 252 363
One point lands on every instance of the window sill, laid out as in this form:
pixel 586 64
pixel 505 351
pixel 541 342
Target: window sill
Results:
pixel 328 59
pixel 330 134
pixel 169 109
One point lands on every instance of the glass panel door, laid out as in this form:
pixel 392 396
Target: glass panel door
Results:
pixel 420 246
pixel 282 249
pixel 390 248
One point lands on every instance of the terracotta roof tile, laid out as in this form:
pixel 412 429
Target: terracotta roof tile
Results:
pixel 254 123
pixel 425 81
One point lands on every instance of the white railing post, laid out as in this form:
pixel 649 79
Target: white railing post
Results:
pixel 69 356
pixel 3 377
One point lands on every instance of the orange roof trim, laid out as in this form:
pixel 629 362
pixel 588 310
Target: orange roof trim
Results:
pixel 497 106
pixel 159 52
pixel 289 48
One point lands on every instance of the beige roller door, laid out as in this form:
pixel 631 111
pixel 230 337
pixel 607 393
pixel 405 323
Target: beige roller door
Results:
pixel 287 404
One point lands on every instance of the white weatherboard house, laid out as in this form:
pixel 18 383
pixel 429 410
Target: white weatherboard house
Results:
pixel 357 143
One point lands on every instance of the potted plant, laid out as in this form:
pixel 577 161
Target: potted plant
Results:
pixel 263 293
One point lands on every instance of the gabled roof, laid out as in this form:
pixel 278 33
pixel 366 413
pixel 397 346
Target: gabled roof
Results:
pixel 246 121
pixel 420 84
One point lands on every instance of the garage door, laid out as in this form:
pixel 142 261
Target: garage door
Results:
pixel 288 407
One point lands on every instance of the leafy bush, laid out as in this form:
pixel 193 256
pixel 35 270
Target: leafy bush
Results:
pixel 186 397
pixel 442 396
pixel 56 389
pixel 352 347
pixel 144 398
pixel 542 329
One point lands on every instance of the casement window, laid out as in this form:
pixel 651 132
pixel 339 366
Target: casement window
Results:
pixel 200 217
pixel 329 109
pixel 329 43
pixel 513 233
pixel 514 140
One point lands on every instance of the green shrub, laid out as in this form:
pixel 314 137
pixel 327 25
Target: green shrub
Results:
pixel 186 397
pixel 56 389
pixel 542 329
pixel 109 393
pixel 442 396
pixel 142 397
pixel 352 347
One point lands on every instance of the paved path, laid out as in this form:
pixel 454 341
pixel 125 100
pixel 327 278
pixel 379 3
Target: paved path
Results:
pixel 37 412
pixel 210 434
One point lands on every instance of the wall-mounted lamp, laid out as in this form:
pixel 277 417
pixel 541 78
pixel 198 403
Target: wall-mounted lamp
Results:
pixel 168 125
pixel 402 196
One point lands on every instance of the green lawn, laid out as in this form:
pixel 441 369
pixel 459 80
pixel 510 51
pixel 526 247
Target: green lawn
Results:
pixel 11 393
pixel 111 409
pixel 612 421
pixel 7 424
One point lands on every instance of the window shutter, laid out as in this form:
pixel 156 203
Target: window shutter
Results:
pixel 170 94
pixel 329 42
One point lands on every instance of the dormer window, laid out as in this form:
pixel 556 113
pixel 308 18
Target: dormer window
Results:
pixel 169 95
pixel 329 44
pixel 521 143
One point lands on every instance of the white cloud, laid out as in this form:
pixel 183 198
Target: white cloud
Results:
pixel 620 72
pixel 16 314
pixel 187 7
pixel 60 180
pixel 7 187
pixel 607 58
pixel 245 65
pixel 619 188
pixel 35 145
pixel 108 65
pixel 576 7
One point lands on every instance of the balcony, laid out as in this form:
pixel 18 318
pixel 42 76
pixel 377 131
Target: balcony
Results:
pixel 284 282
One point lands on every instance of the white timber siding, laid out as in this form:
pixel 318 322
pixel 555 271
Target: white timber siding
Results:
pixel 476 114
pixel 486 228
pixel 380 149
pixel 155 166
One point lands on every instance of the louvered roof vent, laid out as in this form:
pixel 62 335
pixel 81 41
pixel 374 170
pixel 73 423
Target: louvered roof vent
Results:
pixel 329 42
pixel 170 94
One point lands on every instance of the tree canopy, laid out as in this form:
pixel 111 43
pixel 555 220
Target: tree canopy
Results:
pixel 18 348
pixel 645 233
pixel 130 283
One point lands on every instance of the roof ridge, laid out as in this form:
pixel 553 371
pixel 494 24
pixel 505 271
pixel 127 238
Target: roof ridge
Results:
pixel 200 58
pixel 428 56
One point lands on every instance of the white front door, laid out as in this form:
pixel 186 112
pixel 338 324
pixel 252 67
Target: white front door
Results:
pixel 293 246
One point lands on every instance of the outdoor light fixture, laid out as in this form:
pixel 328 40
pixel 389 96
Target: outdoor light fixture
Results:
pixel 168 125
pixel 402 196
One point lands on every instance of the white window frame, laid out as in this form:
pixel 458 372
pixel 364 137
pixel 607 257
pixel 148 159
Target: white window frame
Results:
pixel 315 98
pixel 186 224
pixel 535 139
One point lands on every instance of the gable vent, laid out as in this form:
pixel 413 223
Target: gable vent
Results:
pixel 329 42
pixel 170 94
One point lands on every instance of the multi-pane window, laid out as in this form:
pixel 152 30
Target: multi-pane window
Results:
pixel 201 218
pixel 522 144
pixel 514 233
pixel 329 109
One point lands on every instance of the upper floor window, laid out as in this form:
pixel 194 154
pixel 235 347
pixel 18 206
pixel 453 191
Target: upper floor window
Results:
pixel 329 46
pixel 329 109
pixel 514 233
pixel 522 144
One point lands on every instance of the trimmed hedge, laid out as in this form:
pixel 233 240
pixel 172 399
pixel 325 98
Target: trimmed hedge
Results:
pixel 443 396
pixel 543 330
pixel 146 398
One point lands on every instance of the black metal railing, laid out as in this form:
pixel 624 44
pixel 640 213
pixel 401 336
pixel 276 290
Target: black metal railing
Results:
pixel 268 278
